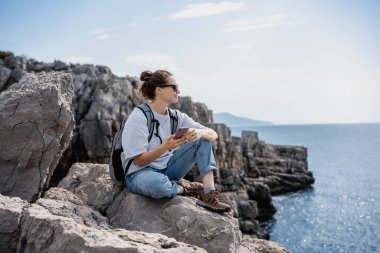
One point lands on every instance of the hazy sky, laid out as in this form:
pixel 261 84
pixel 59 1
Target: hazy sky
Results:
pixel 284 61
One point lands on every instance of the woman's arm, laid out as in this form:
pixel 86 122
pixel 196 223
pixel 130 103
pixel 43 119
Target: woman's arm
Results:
pixel 195 134
pixel 148 157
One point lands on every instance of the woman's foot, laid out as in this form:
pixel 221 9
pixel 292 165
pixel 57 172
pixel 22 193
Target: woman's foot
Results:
pixel 192 189
pixel 213 201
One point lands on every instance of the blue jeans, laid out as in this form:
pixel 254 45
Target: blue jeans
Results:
pixel 157 183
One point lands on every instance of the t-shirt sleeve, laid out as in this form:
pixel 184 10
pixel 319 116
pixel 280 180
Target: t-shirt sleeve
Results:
pixel 185 121
pixel 135 134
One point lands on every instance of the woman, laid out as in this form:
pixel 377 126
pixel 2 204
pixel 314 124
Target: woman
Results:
pixel 159 165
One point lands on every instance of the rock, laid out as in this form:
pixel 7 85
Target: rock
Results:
pixel 178 217
pixel 198 111
pixel 283 168
pixel 92 184
pixel 15 77
pixel 43 230
pixel 36 66
pixel 81 214
pixel 253 245
pixel 36 123
pixel 244 209
pixel 248 210
pixel 15 62
pixel 224 148
pixel 234 198
pixel 249 227
pixel 5 74
pixel 230 179
pixel 101 101
pixel 249 141
pixel 60 65
pixel 10 214
pixel 62 194
pixel 261 194
pixel 202 113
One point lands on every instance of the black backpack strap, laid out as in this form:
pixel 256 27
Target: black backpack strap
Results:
pixel 173 114
pixel 149 117
pixel 153 124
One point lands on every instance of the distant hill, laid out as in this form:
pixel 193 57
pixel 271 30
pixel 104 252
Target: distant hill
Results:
pixel 235 121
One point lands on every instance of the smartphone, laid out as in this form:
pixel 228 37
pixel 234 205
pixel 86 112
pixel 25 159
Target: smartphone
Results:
pixel 180 132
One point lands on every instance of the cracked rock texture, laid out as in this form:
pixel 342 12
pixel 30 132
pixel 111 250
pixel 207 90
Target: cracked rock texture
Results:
pixel 36 124
pixel 91 183
pixel 177 217
pixel 10 214
pixel 254 245
pixel 60 226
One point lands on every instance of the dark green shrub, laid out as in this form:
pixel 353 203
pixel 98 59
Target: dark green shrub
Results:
pixel 5 54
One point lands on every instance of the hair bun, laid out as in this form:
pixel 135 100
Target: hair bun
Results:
pixel 146 75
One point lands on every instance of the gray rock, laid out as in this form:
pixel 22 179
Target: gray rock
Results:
pixel 5 74
pixel 178 217
pixel 62 194
pixel 261 194
pixel 234 198
pixel 15 62
pixel 81 214
pixel 36 123
pixel 60 65
pixel 248 210
pixel 254 245
pixel 57 65
pixel 15 77
pixel 198 111
pixel 250 139
pixel 92 184
pixel 223 147
pixel 248 226
pixel 244 209
pixel 11 210
pixel 202 113
pixel 101 101
pixel 43 230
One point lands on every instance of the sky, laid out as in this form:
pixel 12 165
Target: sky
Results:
pixel 283 61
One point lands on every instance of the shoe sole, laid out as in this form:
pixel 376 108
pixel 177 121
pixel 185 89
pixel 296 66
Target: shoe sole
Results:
pixel 211 208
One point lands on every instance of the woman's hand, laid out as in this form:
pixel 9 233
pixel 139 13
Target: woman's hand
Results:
pixel 171 143
pixel 193 134
pixel 148 157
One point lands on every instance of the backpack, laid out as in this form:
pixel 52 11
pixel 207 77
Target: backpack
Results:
pixel 116 169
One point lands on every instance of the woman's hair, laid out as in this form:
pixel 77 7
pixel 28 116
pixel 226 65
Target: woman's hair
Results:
pixel 151 80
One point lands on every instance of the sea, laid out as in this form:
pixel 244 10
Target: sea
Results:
pixel 341 213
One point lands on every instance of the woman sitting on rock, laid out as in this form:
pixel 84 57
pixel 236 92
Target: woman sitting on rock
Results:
pixel 156 168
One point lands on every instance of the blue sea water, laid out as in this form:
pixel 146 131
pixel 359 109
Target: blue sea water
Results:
pixel 342 211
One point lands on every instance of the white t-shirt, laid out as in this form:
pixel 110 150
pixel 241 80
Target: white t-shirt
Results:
pixel 135 137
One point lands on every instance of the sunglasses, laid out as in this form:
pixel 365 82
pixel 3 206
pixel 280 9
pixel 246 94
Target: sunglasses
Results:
pixel 174 86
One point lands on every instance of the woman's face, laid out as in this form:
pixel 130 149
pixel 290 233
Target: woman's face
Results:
pixel 169 93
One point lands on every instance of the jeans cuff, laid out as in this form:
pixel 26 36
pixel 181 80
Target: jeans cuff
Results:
pixel 207 170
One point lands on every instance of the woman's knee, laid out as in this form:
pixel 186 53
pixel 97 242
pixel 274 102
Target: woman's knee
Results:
pixel 203 141
pixel 154 185
pixel 204 144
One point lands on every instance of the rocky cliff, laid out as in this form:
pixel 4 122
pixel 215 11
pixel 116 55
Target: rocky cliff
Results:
pixel 38 118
